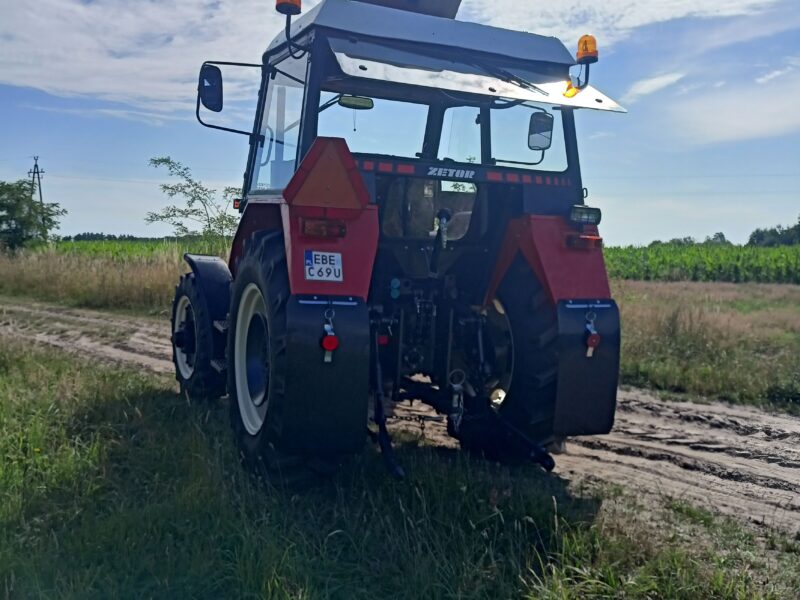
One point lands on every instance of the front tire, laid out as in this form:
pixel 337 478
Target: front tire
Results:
pixel 193 343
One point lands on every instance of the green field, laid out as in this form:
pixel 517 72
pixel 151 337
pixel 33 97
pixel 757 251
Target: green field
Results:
pixel 112 486
pixel 659 262
pixel 705 262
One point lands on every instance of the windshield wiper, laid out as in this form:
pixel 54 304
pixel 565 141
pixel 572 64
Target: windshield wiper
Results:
pixel 509 77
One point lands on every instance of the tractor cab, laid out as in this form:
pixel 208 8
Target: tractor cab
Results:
pixel 414 225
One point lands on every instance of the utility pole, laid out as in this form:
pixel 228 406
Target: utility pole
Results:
pixel 36 176
pixel 36 183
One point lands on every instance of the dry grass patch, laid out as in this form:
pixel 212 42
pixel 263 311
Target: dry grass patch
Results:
pixel 735 342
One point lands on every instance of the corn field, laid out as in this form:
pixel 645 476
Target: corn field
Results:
pixel 705 262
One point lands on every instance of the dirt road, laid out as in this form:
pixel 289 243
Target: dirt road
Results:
pixel 736 460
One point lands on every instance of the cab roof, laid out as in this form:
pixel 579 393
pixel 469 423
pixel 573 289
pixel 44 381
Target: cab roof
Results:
pixel 360 19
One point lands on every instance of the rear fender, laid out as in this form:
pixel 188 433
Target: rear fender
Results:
pixel 257 216
pixel 565 269
pixel 569 264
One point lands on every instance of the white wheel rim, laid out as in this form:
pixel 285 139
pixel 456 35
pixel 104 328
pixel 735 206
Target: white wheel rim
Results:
pixel 498 394
pixel 251 353
pixel 181 315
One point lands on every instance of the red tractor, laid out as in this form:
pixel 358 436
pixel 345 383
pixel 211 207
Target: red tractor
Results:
pixel 413 228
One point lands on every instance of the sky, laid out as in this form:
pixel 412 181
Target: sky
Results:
pixel 711 141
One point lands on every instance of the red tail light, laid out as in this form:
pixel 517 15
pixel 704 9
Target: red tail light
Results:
pixel 324 228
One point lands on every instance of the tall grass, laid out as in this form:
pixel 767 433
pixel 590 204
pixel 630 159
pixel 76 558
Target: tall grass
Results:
pixel 111 486
pixel 137 275
pixel 143 282
pixel 734 342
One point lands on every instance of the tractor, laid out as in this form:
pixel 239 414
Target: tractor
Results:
pixel 413 228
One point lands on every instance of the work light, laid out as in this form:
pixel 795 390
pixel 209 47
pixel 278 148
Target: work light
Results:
pixel 585 215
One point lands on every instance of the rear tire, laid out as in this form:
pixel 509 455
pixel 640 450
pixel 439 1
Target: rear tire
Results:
pixel 257 354
pixel 530 402
pixel 524 334
pixel 193 343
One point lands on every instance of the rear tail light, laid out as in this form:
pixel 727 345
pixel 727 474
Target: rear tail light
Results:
pixel 584 241
pixel 323 228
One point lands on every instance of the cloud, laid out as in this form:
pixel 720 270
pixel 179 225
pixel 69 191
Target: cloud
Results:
pixel 143 54
pixel 774 74
pixel 738 112
pixel 645 87
pixel 146 54
pixel 610 20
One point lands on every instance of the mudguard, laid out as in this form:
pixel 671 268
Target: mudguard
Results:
pixel 214 279
pixel 326 401
pixel 214 282
pixel 587 386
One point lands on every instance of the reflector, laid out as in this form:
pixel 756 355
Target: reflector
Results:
pixel 324 228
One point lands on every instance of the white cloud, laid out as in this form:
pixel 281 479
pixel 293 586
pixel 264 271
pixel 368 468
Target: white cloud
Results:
pixel 773 74
pixel 738 112
pixel 146 54
pixel 143 54
pixel 610 20
pixel 651 85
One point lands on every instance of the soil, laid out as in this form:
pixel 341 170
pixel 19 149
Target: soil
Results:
pixel 736 460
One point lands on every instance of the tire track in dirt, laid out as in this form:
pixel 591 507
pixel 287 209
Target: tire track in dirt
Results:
pixel 739 461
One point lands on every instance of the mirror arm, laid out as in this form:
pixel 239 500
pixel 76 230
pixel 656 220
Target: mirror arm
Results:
pixel 253 136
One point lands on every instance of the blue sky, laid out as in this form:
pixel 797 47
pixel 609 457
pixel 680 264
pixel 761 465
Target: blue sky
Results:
pixel 711 141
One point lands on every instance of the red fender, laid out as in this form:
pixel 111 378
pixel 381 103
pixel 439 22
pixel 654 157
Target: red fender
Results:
pixel 568 263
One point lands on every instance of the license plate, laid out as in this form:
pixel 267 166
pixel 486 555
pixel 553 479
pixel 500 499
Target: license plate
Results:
pixel 323 266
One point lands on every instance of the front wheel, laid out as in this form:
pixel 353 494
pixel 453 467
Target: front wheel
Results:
pixel 193 343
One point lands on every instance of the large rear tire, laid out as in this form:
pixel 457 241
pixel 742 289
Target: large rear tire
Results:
pixel 530 401
pixel 523 330
pixel 193 343
pixel 257 353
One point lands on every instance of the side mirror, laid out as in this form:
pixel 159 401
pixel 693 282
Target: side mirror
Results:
pixel 540 131
pixel 209 88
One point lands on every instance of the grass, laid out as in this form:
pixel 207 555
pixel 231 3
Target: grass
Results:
pixel 112 486
pixel 732 342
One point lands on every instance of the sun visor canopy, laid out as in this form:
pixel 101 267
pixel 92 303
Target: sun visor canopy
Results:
pixel 383 63
pixel 436 8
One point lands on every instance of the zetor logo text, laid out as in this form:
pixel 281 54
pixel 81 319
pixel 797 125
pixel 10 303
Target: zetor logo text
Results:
pixel 455 173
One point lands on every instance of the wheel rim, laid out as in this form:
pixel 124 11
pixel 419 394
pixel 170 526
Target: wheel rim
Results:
pixel 501 335
pixel 184 334
pixel 251 359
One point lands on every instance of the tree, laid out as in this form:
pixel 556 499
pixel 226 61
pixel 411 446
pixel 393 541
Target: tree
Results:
pixel 718 239
pixel 202 212
pixel 776 236
pixel 24 220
